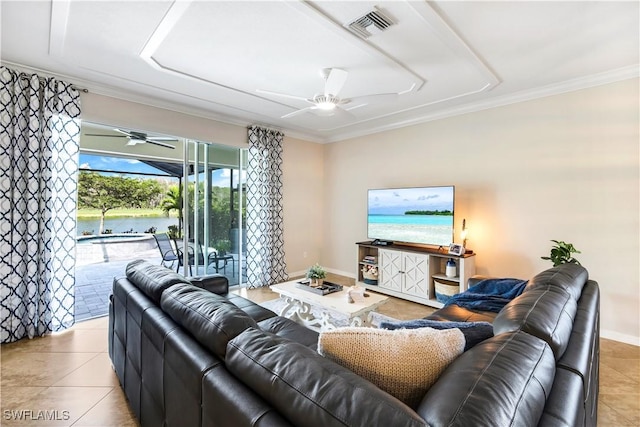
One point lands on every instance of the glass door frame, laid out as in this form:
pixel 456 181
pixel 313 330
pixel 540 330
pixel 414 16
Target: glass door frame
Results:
pixel 199 155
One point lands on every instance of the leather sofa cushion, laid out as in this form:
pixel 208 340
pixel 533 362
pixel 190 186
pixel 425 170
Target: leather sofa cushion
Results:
pixel 570 277
pixel 308 389
pixel 287 328
pixel 226 402
pixel 455 313
pixel 152 279
pixel 546 313
pixel 513 371
pixel 255 311
pixel 209 317
pixel 216 283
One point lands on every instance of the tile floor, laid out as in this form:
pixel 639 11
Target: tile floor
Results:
pixel 62 379
pixel 67 377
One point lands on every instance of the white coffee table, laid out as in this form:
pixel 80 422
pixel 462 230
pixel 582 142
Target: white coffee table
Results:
pixel 299 302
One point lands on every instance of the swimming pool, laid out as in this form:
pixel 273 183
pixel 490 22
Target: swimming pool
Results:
pixel 109 247
pixel 113 238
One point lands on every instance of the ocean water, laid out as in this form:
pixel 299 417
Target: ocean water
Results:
pixel 426 229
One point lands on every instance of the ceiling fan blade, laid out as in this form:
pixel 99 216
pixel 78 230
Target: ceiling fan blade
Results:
pixel 342 113
pixel 133 142
pixel 106 135
pixel 283 95
pixel 297 112
pixel 124 132
pixel 161 144
pixel 161 138
pixel 334 82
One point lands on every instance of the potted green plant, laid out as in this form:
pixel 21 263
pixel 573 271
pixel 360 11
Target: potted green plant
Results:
pixel 174 232
pixel 561 253
pixel 316 273
pixel 223 246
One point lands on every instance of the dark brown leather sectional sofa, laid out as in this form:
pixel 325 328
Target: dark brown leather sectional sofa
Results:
pixel 189 353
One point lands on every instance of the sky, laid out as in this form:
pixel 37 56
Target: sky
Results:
pixel 119 164
pixel 397 201
pixel 89 161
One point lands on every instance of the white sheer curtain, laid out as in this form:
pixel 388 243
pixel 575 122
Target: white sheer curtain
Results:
pixel 265 241
pixel 39 144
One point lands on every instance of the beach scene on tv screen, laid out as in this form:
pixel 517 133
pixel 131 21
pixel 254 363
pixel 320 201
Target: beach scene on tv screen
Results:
pixel 416 215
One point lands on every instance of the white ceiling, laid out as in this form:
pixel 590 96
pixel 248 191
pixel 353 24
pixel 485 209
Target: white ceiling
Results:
pixel 209 58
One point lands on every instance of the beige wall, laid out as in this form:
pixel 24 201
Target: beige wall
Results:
pixel 564 167
pixel 303 186
pixel 116 112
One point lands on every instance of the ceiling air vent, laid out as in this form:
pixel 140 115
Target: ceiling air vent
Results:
pixel 370 24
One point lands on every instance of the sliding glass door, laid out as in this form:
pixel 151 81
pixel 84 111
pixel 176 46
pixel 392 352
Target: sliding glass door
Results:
pixel 215 206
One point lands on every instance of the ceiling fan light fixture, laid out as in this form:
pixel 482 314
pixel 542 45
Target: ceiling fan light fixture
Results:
pixel 325 103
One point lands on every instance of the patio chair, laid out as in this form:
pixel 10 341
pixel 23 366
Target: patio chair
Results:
pixel 167 251
pixel 170 254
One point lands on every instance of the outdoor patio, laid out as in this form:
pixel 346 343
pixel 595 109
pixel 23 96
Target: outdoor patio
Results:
pixel 94 281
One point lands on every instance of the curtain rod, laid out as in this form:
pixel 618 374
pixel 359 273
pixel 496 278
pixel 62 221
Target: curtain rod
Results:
pixel 267 127
pixel 24 76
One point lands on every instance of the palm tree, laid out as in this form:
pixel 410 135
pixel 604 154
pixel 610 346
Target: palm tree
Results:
pixel 173 201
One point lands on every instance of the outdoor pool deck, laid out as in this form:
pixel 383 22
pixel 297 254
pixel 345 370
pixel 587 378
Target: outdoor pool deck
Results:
pixel 94 280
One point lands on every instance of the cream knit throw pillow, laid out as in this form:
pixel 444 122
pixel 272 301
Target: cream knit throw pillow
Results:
pixel 404 362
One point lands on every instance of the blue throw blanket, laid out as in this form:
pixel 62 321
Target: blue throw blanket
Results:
pixel 489 294
pixel 474 332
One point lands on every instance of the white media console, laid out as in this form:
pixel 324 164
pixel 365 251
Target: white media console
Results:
pixel 408 272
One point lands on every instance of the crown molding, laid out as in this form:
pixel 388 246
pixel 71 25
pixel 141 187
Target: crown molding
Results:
pixel 572 85
pixel 599 79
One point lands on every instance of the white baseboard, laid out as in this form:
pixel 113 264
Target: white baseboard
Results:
pixel 617 336
pixel 297 273
pixel 341 273
pixel 329 270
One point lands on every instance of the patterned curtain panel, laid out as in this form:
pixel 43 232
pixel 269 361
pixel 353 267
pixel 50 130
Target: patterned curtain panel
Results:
pixel 265 242
pixel 39 144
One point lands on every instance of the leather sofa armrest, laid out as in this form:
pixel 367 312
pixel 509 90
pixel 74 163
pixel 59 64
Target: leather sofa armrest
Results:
pixel 474 280
pixel 216 283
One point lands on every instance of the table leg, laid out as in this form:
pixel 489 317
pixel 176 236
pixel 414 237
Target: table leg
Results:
pixel 299 312
pixel 356 321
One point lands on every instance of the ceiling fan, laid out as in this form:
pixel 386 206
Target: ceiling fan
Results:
pixel 136 138
pixel 329 102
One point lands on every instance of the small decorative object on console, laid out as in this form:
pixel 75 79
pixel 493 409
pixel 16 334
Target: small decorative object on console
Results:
pixel 456 249
pixel 370 274
pixel 450 270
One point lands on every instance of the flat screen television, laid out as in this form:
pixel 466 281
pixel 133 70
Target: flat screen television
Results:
pixel 421 215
